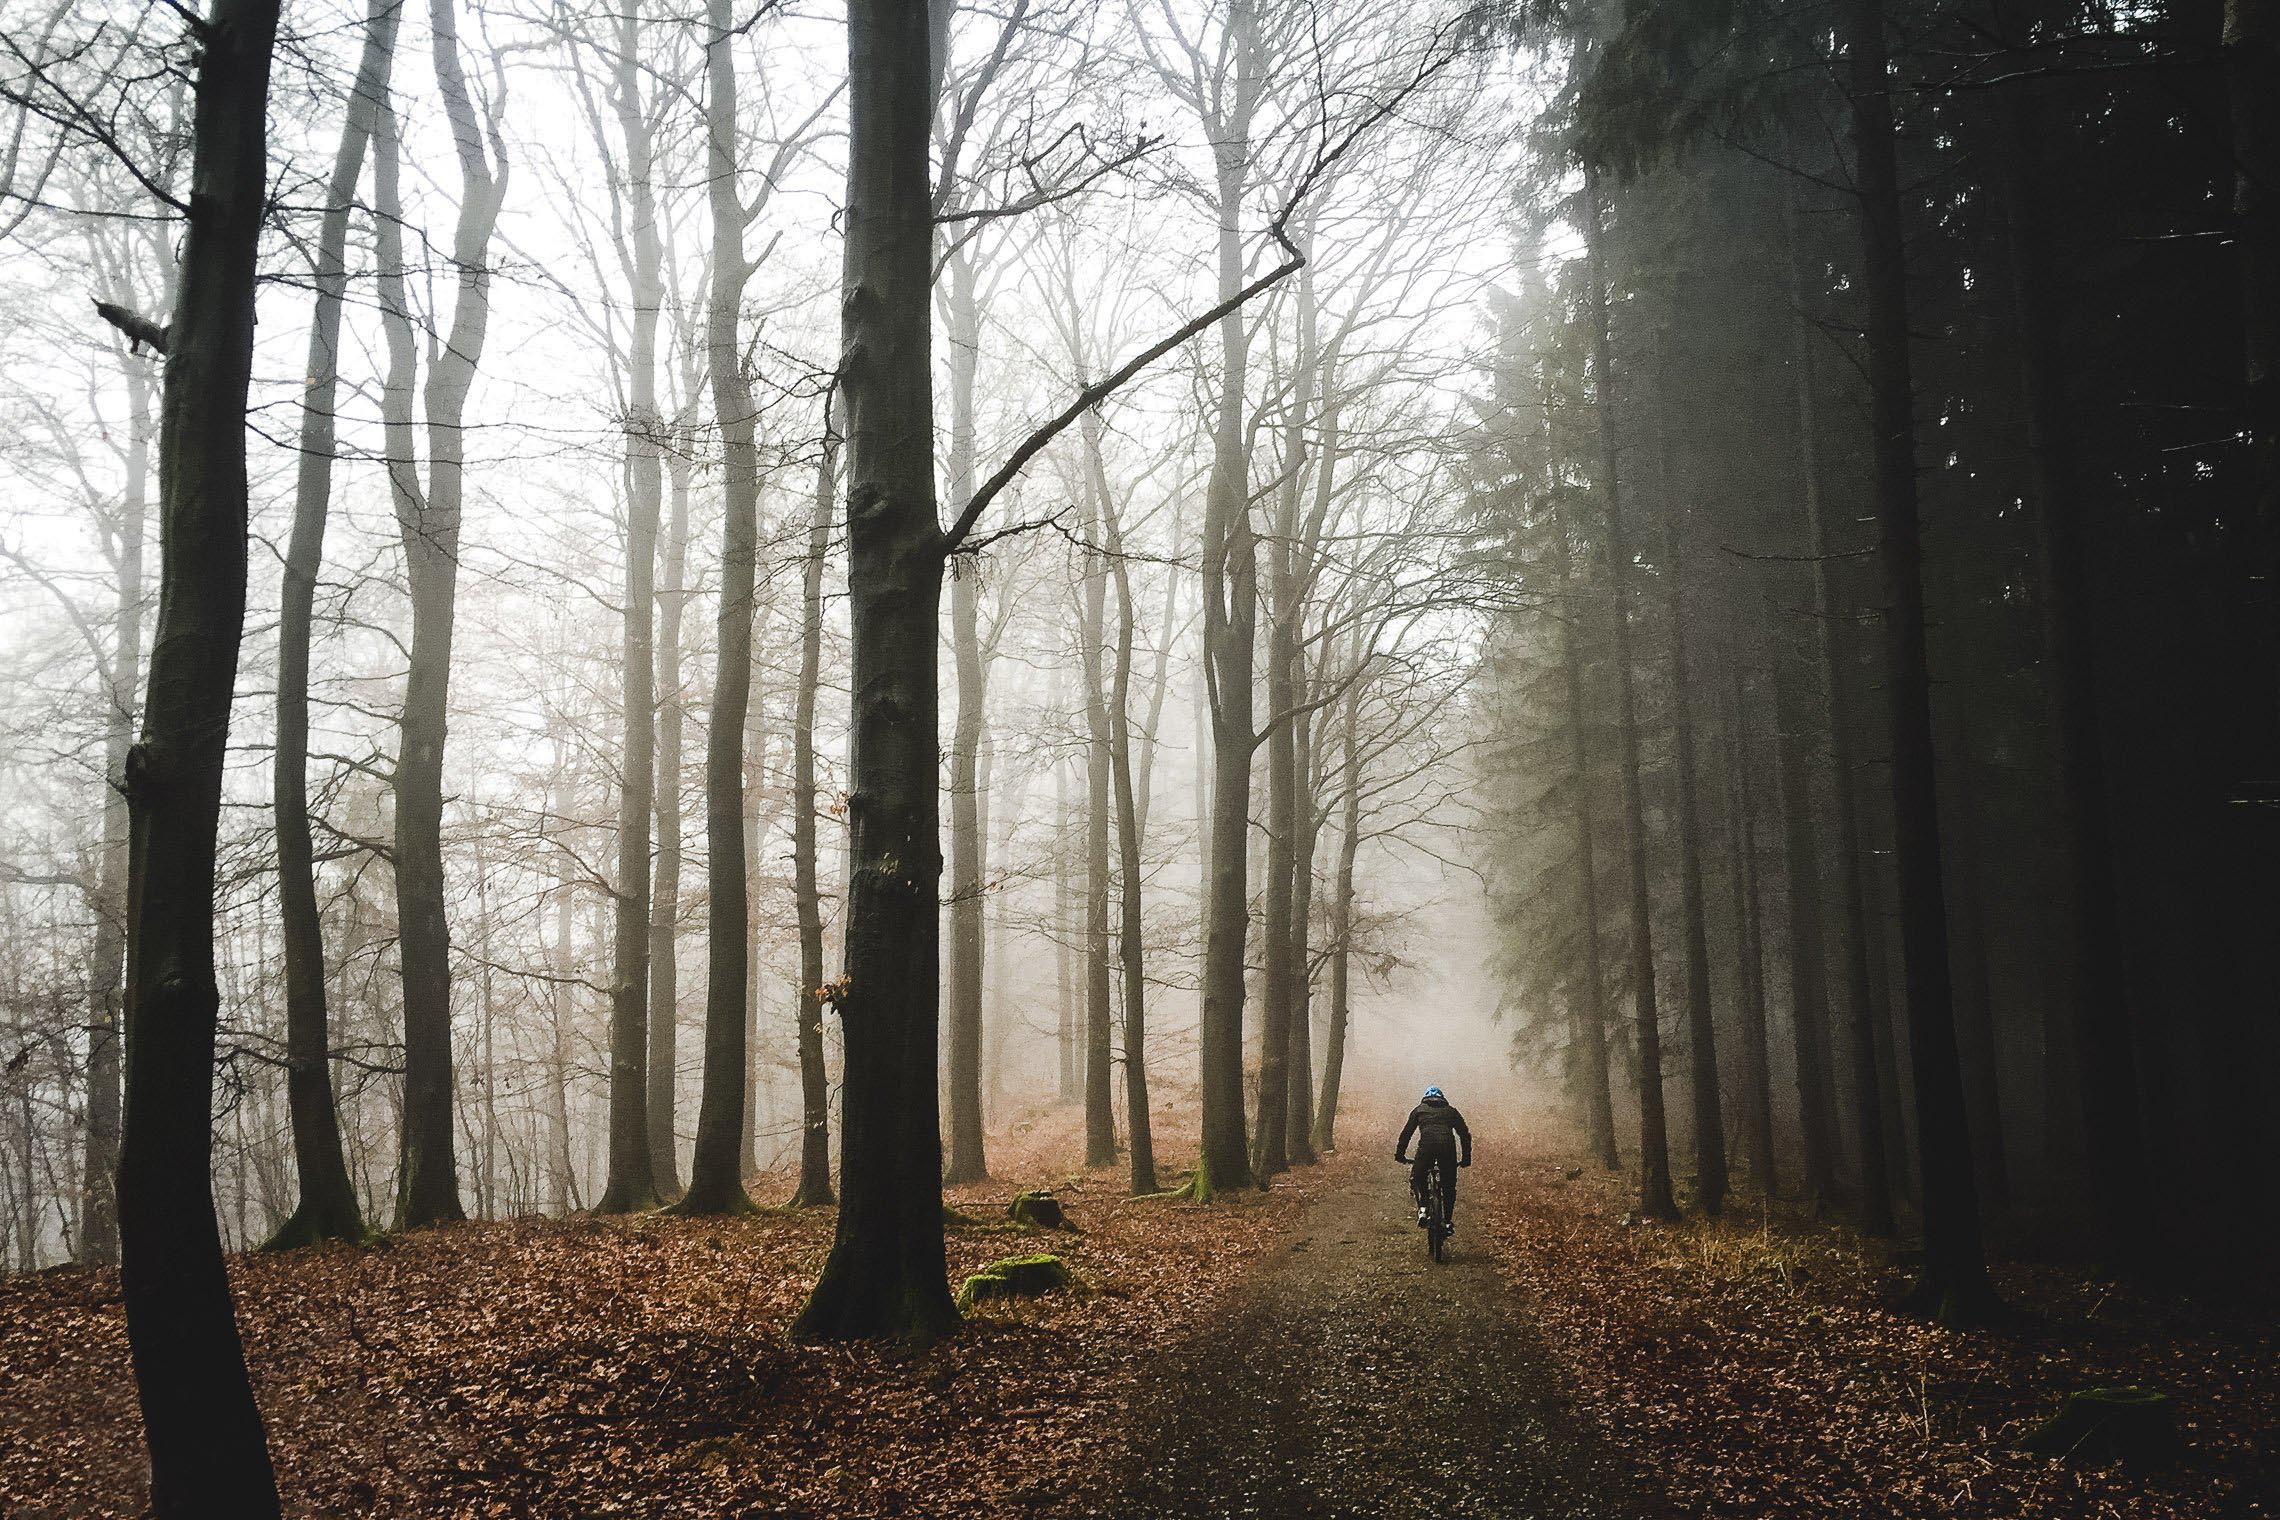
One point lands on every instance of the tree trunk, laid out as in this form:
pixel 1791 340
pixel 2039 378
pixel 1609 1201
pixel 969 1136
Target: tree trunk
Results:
pixel 815 1090
pixel 1701 1023
pixel 1655 1198
pixel 1741 815
pixel 207 1450
pixel 427 1188
pixel 99 1208
pixel 1341 923
pixel 1230 633
pixel 1071 1088
pixel 1954 1283
pixel 641 1046
pixel 887 1272
pixel 1100 1112
pixel 716 1184
pixel 665 894
pixel 1131 947
pixel 562 1181
pixel 968 1163
pixel 2251 52
pixel 1301 1080
pixel 327 1208
pixel 1808 968
pixel 2104 1040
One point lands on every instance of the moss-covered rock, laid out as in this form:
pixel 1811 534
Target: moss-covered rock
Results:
pixel 2097 1425
pixel 1016 1277
pixel 1038 1209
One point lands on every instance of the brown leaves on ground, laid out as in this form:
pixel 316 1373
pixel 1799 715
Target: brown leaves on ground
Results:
pixel 1755 1368
pixel 639 1367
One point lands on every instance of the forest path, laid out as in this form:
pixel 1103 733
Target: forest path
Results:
pixel 1354 1377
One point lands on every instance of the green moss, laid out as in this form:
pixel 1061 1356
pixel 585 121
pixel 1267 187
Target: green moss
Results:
pixel 1016 1277
pixel 1038 1209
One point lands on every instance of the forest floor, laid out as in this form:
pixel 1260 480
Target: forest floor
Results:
pixel 1285 1354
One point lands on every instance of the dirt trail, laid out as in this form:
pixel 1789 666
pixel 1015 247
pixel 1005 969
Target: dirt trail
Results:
pixel 1353 1377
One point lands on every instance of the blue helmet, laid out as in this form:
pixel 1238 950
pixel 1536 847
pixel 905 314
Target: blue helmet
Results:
pixel 1433 1095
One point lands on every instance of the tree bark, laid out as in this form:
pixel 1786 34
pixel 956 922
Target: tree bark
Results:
pixel 1954 1283
pixel 641 1042
pixel 207 1449
pixel 1701 1023
pixel 1655 1199
pixel 99 1208
pixel 427 1189
pixel 887 1272
pixel 1100 1112
pixel 716 1184
pixel 1131 946
pixel 327 1207
pixel 968 1163
pixel 1341 923
pixel 1741 815
pixel 814 1186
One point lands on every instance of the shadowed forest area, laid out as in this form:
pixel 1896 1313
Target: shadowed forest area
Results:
pixel 754 752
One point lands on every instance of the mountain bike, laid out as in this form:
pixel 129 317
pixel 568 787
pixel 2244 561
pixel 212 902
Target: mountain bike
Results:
pixel 1435 1201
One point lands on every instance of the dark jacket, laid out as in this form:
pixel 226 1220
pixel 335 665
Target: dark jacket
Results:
pixel 1437 1126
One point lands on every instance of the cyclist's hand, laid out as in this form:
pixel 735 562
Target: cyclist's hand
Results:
pixel 1466 1162
pixel 1403 1160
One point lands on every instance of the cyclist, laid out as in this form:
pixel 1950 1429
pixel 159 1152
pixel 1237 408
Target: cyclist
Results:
pixel 1437 1128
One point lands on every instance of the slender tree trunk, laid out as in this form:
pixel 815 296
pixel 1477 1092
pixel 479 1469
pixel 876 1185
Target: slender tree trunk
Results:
pixel 1655 1198
pixel 1862 1006
pixel 1100 1112
pixel 1982 1062
pixel 1131 947
pixel 207 1450
pixel 641 1043
pixel 1954 1283
pixel 2104 1038
pixel 1341 923
pixel 1591 1009
pixel 1701 1023
pixel 1270 1148
pixel 1064 936
pixel 327 1207
pixel 665 894
pixel 716 1185
pixel 99 1209
pixel 1808 968
pixel 427 1181
pixel 967 870
pixel 1301 1079
pixel 887 1272
pixel 1741 815
pixel 562 1182
pixel 1230 634
pixel 815 1090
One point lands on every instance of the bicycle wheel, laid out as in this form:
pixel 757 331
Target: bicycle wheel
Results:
pixel 1436 1216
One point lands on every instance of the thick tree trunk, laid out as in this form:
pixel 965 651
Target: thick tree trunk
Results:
pixel 207 1451
pixel 2251 51
pixel 427 1188
pixel 815 1089
pixel 1655 1199
pixel 327 1208
pixel 1808 968
pixel 716 1184
pixel 887 1272
pixel 1701 1023
pixel 1741 816
pixel 968 1162
pixel 1954 1283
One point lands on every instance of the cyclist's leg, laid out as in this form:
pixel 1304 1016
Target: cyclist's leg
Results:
pixel 1417 1173
pixel 1449 1185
